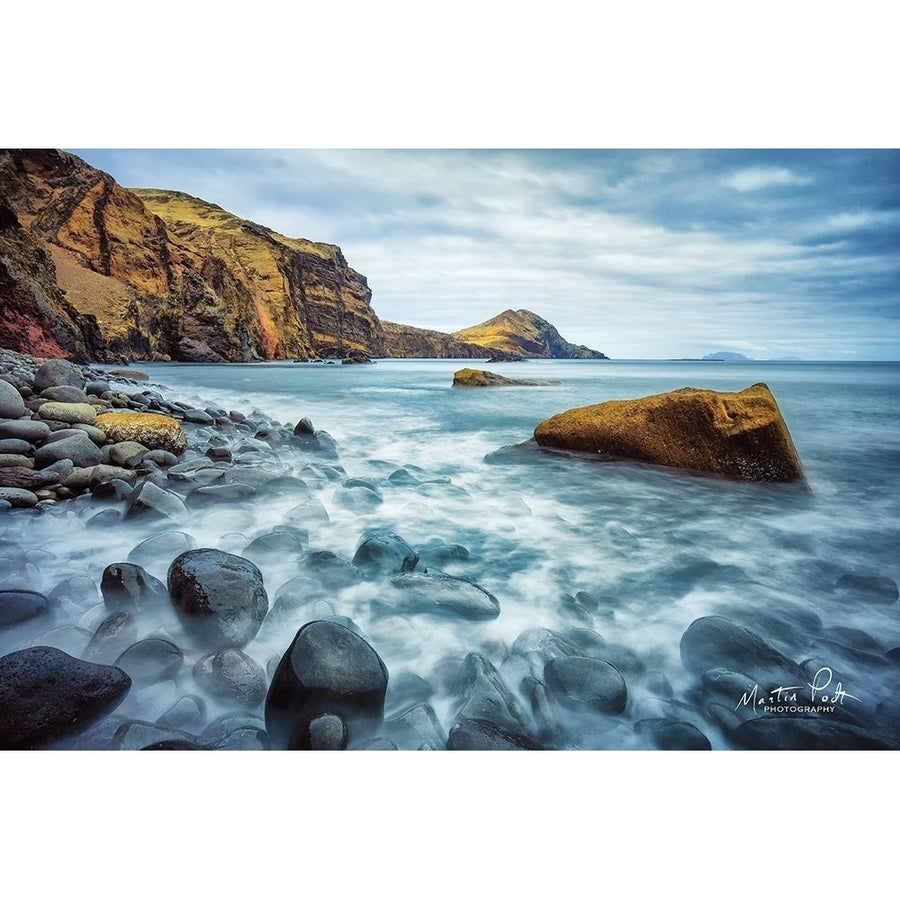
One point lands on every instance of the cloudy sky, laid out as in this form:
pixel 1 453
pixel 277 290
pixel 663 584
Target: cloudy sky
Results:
pixel 640 254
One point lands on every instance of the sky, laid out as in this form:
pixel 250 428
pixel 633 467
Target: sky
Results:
pixel 639 254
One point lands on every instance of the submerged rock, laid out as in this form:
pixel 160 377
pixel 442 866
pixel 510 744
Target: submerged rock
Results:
pixel 716 642
pixel 482 694
pixel 735 435
pixel 480 734
pixel 327 670
pixel 672 734
pixel 150 660
pixel 384 552
pixel 129 586
pixel 436 593
pixel 47 696
pixel 582 682
pixel 779 732
pixel 416 728
pixel 21 606
pixel 220 598
pixel 874 588
pixel 230 674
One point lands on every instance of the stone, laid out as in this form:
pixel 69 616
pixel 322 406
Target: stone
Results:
pixel 219 597
pixel 77 447
pixel 126 586
pixel 416 728
pixel 129 373
pixel 126 453
pixel 331 570
pixel 326 670
pixel 210 495
pixel 277 546
pixel 480 378
pixel 716 642
pixel 198 417
pixel 384 552
pixel 162 458
pixel 72 413
pixel 231 675
pixel 480 734
pixel 113 491
pixel 57 372
pixel 672 734
pixel 586 683
pixel 325 733
pixel 18 497
pixel 186 714
pixel 77 589
pixel 480 693
pixel 11 460
pixel 15 445
pixel 163 547
pixel 874 588
pixel 31 430
pixel 65 393
pixel 435 593
pixel 12 406
pixel 154 431
pixel 734 435
pixel 151 502
pixel 112 636
pixel 151 660
pixel 782 732
pixel 20 606
pixel 47 696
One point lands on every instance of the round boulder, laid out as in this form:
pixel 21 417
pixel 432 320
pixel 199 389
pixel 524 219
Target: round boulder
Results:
pixel 56 373
pixel 384 552
pixel 219 597
pixel 47 696
pixel 582 682
pixel 71 413
pixel 230 674
pixel 12 406
pixel 327 670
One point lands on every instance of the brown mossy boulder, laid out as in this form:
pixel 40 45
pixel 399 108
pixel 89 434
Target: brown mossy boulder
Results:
pixel 153 430
pixel 480 378
pixel 735 435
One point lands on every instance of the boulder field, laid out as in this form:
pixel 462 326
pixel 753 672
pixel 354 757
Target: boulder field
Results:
pixel 739 435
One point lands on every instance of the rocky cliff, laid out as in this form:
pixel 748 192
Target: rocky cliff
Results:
pixel 167 276
pixel 405 341
pixel 522 331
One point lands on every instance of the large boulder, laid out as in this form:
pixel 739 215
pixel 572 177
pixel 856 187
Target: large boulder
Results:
pixel 70 413
pixel 734 435
pixel 327 670
pixel 12 406
pixel 47 696
pixel 153 430
pixel 219 597
pixel 57 373
pixel 384 552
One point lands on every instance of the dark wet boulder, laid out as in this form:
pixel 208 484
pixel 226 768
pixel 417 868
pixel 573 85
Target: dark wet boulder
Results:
pixel 327 670
pixel 480 734
pixel 113 491
pixel 436 593
pixel 416 728
pixel 480 693
pixel 716 642
pixel 586 683
pixel 47 696
pixel 150 660
pixel 129 586
pixel 231 675
pixel 672 734
pixel 383 552
pixel 874 588
pixel 219 597
pixel 779 732
pixel 21 606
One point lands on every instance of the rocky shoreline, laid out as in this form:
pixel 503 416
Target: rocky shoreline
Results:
pixel 233 637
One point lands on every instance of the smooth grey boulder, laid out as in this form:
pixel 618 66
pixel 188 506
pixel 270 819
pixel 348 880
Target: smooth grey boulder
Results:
pixel 77 447
pixel 56 373
pixel 12 406
pixel 220 598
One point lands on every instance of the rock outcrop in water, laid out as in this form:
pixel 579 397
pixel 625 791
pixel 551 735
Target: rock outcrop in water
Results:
pixel 89 269
pixel 735 435
pixel 480 378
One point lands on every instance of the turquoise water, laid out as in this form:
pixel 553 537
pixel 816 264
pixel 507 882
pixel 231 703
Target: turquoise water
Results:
pixel 656 548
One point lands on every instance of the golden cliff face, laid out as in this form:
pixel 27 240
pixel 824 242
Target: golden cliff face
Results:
pixel 171 276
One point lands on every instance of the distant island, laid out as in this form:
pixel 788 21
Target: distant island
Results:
pixel 732 356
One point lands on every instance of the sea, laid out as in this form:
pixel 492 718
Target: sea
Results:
pixel 621 555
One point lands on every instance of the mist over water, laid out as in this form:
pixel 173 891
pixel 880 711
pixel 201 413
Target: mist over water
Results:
pixel 647 550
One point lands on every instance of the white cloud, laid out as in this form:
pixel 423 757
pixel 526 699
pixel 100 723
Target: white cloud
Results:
pixel 756 178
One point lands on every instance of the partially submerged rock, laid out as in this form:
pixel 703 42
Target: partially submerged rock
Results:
pixel 735 435
pixel 480 378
